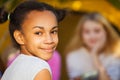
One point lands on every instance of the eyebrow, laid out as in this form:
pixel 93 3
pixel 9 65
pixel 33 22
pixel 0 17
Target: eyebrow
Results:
pixel 55 27
pixel 38 27
pixel 43 27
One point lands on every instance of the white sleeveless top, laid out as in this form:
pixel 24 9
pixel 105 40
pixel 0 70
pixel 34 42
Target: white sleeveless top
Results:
pixel 25 67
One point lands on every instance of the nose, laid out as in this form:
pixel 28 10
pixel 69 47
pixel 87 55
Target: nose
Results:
pixel 93 35
pixel 48 39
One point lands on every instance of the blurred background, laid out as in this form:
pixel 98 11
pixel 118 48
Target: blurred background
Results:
pixel 74 10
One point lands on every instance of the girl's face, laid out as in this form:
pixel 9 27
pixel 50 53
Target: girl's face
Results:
pixel 39 36
pixel 93 34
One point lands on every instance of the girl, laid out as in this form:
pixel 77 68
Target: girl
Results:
pixel 34 30
pixel 92 53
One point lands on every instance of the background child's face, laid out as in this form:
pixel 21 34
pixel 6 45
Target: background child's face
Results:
pixel 93 34
pixel 39 34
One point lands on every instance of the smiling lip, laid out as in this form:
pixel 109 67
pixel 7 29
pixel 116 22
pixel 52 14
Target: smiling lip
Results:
pixel 92 41
pixel 48 50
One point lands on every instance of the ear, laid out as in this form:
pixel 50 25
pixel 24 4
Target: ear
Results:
pixel 18 37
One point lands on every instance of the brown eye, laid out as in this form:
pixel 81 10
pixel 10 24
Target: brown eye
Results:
pixel 38 33
pixel 97 30
pixel 54 32
pixel 86 31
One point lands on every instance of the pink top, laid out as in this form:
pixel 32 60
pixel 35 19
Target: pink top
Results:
pixel 55 64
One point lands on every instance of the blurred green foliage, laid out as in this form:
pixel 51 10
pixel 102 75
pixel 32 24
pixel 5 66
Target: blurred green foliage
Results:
pixel 116 3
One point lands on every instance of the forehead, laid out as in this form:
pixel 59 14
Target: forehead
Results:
pixel 34 15
pixel 40 18
pixel 92 24
pixel 42 13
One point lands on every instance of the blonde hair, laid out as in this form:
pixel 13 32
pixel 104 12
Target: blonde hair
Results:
pixel 112 36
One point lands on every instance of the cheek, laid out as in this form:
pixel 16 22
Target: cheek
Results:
pixel 37 40
pixel 34 41
pixel 101 35
pixel 85 37
pixel 56 39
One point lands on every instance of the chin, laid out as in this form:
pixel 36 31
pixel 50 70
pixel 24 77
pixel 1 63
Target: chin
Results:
pixel 91 45
pixel 48 56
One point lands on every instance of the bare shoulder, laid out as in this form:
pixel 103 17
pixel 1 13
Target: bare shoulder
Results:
pixel 43 75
